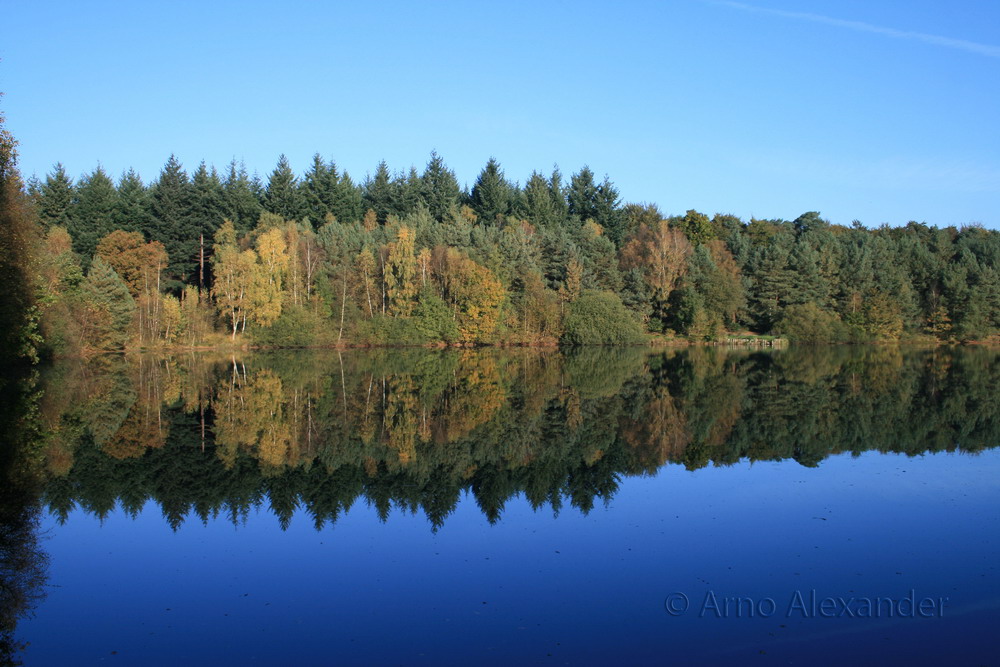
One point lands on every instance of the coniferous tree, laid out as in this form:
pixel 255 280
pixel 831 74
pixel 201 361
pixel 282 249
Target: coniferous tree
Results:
pixel 560 205
pixel 208 210
pixel 109 307
pixel 317 191
pixel 608 213
pixel 408 193
pixel 240 196
pixel 582 195
pixel 282 195
pixel 539 208
pixel 378 193
pixel 492 194
pixel 56 198
pixel 345 202
pixel 93 217
pixel 132 204
pixel 440 188
pixel 172 223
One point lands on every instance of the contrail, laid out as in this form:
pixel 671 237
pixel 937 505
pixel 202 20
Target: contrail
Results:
pixel 860 26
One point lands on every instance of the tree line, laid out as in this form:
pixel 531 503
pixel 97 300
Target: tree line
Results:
pixel 415 429
pixel 413 257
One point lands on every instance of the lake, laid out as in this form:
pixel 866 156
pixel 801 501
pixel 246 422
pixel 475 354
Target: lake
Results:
pixel 603 505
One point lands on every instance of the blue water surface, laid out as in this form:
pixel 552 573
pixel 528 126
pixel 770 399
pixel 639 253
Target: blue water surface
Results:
pixel 543 588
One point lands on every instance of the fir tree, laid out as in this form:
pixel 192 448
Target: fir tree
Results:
pixel 109 307
pixel 440 188
pixel 240 198
pixel 93 217
pixel 172 224
pixel 57 194
pixel 132 204
pixel 491 195
pixel 282 196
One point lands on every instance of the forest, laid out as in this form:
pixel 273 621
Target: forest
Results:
pixel 414 258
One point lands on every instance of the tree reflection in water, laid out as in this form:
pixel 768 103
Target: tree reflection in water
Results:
pixel 414 429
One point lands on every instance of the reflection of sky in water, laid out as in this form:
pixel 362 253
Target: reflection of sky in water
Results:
pixel 539 589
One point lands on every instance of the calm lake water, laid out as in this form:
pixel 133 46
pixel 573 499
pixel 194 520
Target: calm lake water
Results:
pixel 606 506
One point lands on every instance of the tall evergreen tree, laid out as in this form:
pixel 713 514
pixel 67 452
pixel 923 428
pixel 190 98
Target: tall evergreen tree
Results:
pixel 441 191
pixel 539 208
pixel 560 205
pixel 346 202
pixel 57 194
pixel 408 193
pixel 241 198
pixel 492 194
pixel 93 217
pixel 282 196
pixel 208 211
pixel 582 195
pixel 608 211
pixel 172 223
pixel 378 192
pixel 132 205
pixel 316 191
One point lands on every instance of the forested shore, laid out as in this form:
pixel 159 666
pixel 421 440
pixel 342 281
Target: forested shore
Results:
pixel 414 258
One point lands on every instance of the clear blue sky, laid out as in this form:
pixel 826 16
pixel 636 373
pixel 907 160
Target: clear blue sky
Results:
pixel 881 111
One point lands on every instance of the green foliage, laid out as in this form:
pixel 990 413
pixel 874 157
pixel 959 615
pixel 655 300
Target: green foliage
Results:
pixel 172 223
pixel 434 320
pixel 808 323
pixel 282 194
pixel 109 307
pixel 57 194
pixel 600 318
pixel 386 330
pixel 94 215
pixel 491 195
pixel 297 326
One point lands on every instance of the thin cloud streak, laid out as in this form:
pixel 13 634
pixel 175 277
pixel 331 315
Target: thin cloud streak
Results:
pixel 860 26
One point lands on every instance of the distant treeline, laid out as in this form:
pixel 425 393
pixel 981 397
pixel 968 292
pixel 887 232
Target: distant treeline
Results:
pixel 416 429
pixel 413 257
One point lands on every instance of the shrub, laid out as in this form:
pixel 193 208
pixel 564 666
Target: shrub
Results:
pixel 600 318
pixel 808 323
